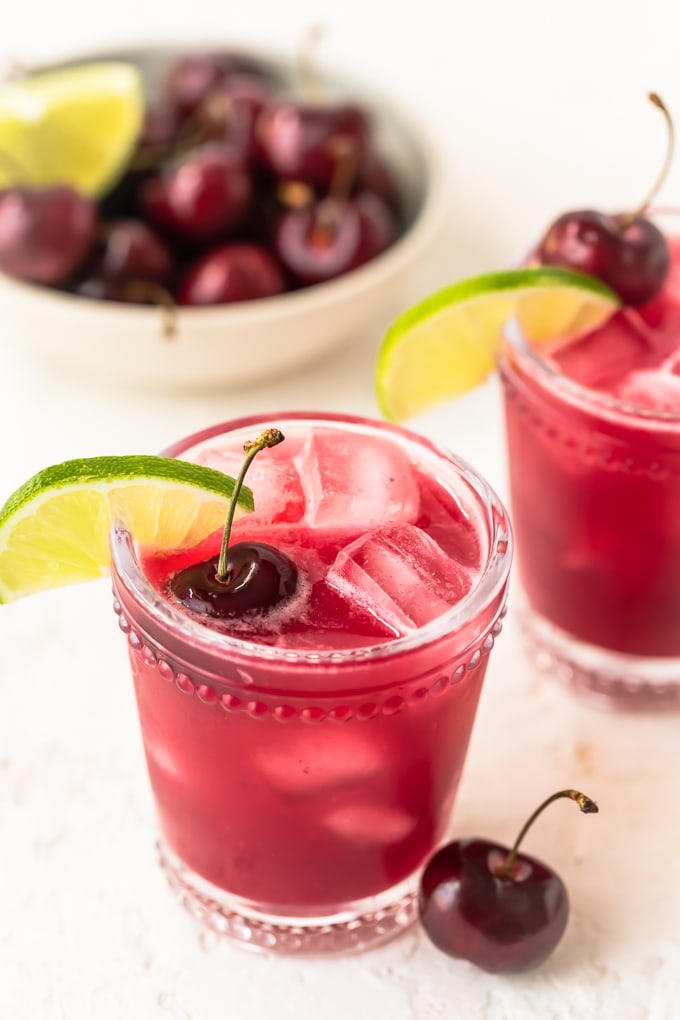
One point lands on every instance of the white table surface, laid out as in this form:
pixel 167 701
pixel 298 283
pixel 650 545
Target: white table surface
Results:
pixel 538 107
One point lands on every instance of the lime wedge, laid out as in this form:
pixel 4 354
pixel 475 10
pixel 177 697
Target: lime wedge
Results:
pixel 75 125
pixel 54 529
pixel 447 344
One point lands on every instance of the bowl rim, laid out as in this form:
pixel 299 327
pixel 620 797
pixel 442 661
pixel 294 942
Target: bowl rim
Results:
pixel 377 270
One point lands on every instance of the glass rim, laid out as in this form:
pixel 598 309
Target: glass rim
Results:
pixel 593 400
pixel 487 588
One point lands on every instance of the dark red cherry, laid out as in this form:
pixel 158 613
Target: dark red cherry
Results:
pixel 499 909
pixel 498 923
pixel 626 251
pixel 630 255
pixel 326 239
pixel 229 113
pixel 201 198
pixel 45 233
pixel 191 78
pixel 302 142
pixel 376 175
pixel 131 250
pixel 259 578
pixel 231 272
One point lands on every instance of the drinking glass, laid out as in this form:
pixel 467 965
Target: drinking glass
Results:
pixel 595 502
pixel 299 791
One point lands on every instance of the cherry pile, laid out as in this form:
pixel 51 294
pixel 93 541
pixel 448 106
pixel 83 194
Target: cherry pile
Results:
pixel 236 191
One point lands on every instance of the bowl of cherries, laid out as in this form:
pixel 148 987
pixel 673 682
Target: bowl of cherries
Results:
pixel 262 217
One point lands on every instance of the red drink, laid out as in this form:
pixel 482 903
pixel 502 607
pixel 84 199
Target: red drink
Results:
pixel 305 763
pixel 594 448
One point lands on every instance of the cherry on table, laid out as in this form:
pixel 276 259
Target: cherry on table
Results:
pixel 45 233
pixel 499 909
pixel 246 578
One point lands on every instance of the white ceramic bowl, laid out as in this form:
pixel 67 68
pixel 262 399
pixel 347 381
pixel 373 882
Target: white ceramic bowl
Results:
pixel 222 346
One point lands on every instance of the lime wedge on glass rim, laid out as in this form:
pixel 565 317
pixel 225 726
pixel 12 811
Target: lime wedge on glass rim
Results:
pixel 75 125
pixel 54 530
pixel 448 343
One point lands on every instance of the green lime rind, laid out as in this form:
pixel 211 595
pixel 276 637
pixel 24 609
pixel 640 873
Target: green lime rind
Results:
pixel 509 279
pixel 55 528
pixel 402 362
pixel 103 470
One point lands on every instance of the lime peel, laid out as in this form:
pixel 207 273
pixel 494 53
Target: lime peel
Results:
pixel 54 529
pixel 447 343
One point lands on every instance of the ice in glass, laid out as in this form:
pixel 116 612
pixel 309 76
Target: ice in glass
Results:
pixel 593 432
pixel 305 762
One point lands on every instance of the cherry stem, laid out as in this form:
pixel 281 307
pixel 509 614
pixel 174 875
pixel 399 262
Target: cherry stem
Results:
pixel 344 174
pixel 586 805
pixel 269 438
pixel 146 290
pixel 657 101
pixel 308 75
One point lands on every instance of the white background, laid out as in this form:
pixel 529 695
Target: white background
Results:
pixel 537 107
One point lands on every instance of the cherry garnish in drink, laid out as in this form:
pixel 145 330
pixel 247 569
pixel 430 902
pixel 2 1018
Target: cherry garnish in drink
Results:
pixel 626 251
pixel 248 577
pixel 499 909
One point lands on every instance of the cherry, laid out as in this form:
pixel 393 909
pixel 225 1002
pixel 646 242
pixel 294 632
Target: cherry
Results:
pixel 131 250
pixel 626 251
pixel 376 175
pixel 229 112
pixel 231 272
pixel 301 141
pixel 45 233
pixel 191 78
pixel 201 197
pixel 249 577
pixel 499 909
pixel 259 577
pixel 326 239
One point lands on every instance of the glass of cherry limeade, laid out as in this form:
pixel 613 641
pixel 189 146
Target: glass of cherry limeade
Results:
pixel 305 759
pixel 593 433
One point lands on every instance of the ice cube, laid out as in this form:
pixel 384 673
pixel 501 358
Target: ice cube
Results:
pixel 606 355
pixel 355 483
pixel 272 475
pixel 400 575
pixel 655 389
pixel 318 763
pixel 369 823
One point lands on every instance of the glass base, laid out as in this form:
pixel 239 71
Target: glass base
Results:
pixel 606 678
pixel 352 928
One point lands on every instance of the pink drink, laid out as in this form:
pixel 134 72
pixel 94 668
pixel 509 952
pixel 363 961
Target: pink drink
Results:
pixel 594 445
pixel 304 764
